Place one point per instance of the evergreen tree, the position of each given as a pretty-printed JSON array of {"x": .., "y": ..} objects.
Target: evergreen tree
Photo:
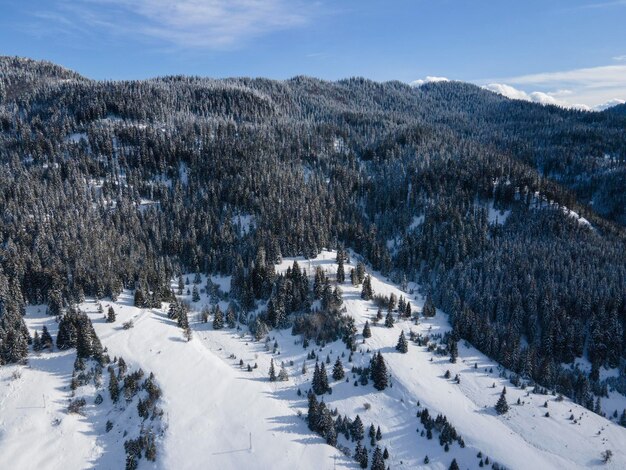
[
  {"x": 338, "y": 372},
  {"x": 272, "y": 372},
  {"x": 354, "y": 278},
  {"x": 195, "y": 294},
  {"x": 367, "y": 333},
  {"x": 502, "y": 406},
  {"x": 36, "y": 342},
  {"x": 218, "y": 318},
  {"x": 360, "y": 272},
  {"x": 114, "y": 386},
  {"x": 367, "y": 293},
  {"x": 341, "y": 275},
  {"x": 453, "y": 465},
  {"x": 357, "y": 431},
  {"x": 283, "y": 376},
  {"x": 454, "y": 350},
  {"x": 379, "y": 372},
  {"x": 389, "y": 320},
  {"x": 429, "y": 307},
  {"x": 46, "y": 339},
  {"x": 111, "y": 315},
  {"x": 403, "y": 345},
  {"x": 378, "y": 462},
  {"x": 231, "y": 317},
  {"x": 360, "y": 455}
]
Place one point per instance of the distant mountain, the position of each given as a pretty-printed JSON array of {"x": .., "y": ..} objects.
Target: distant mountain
[{"x": 617, "y": 109}]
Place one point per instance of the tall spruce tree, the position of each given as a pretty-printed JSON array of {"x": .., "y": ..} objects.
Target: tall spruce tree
[
  {"x": 502, "y": 407},
  {"x": 403, "y": 345}
]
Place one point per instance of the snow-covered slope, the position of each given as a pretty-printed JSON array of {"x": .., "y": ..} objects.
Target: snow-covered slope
[{"x": 219, "y": 415}]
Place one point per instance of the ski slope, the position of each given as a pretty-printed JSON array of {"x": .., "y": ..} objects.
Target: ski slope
[{"x": 219, "y": 415}]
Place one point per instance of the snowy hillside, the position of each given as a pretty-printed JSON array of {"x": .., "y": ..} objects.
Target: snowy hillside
[{"x": 220, "y": 414}]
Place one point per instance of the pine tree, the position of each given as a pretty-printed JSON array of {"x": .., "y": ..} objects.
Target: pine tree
[
  {"x": 140, "y": 298},
  {"x": 341, "y": 274},
  {"x": 502, "y": 406},
  {"x": 360, "y": 455},
  {"x": 360, "y": 272},
  {"x": 218, "y": 318},
  {"x": 323, "y": 379},
  {"x": 407, "y": 310},
  {"x": 46, "y": 339},
  {"x": 283, "y": 376},
  {"x": 272, "y": 372},
  {"x": 188, "y": 333},
  {"x": 114, "y": 386},
  {"x": 378, "y": 462},
  {"x": 367, "y": 333},
  {"x": 389, "y": 320},
  {"x": 338, "y": 372},
  {"x": 36, "y": 342},
  {"x": 402, "y": 345},
  {"x": 195, "y": 294},
  {"x": 379, "y": 435},
  {"x": 111, "y": 315},
  {"x": 622, "y": 419},
  {"x": 357, "y": 431},
  {"x": 231, "y": 317},
  {"x": 372, "y": 434},
  {"x": 353, "y": 278},
  {"x": 454, "y": 350},
  {"x": 429, "y": 307},
  {"x": 453, "y": 465},
  {"x": 385, "y": 454},
  {"x": 181, "y": 285},
  {"x": 182, "y": 319},
  {"x": 366, "y": 292},
  {"x": 379, "y": 372}
]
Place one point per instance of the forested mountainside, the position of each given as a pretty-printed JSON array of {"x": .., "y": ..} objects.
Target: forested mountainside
[{"x": 510, "y": 213}]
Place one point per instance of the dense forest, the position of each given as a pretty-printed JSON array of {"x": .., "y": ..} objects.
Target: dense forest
[{"x": 111, "y": 185}]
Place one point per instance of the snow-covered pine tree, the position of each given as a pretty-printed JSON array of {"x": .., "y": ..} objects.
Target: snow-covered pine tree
[
  {"x": 272, "y": 372},
  {"x": 218, "y": 318},
  {"x": 367, "y": 332},
  {"x": 389, "y": 320},
  {"x": 111, "y": 315},
  {"x": 338, "y": 372},
  {"x": 502, "y": 407},
  {"x": 378, "y": 462},
  {"x": 403, "y": 345}
]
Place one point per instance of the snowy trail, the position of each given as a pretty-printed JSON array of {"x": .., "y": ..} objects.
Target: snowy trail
[{"x": 212, "y": 407}]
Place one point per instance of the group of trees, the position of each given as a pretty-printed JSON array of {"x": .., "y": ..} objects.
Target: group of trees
[{"x": 113, "y": 185}]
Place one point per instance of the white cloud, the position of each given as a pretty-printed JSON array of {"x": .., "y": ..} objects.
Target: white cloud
[
  {"x": 208, "y": 24},
  {"x": 535, "y": 96},
  {"x": 428, "y": 79},
  {"x": 592, "y": 86},
  {"x": 608, "y": 104},
  {"x": 620, "y": 58}
]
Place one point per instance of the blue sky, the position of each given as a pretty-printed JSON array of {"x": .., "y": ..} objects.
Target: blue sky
[{"x": 568, "y": 52}]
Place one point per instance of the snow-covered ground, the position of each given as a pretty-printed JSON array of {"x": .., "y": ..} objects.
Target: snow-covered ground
[{"x": 219, "y": 415}]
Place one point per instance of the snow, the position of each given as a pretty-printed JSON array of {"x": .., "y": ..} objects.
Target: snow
[
  {"x": 416, "y": 222},
  {"x": 496, "y": 216},
  {"x": 214, "y": 408},
  {"x": 244, "y": 223},
  {"x": 76, "y": 137}
]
